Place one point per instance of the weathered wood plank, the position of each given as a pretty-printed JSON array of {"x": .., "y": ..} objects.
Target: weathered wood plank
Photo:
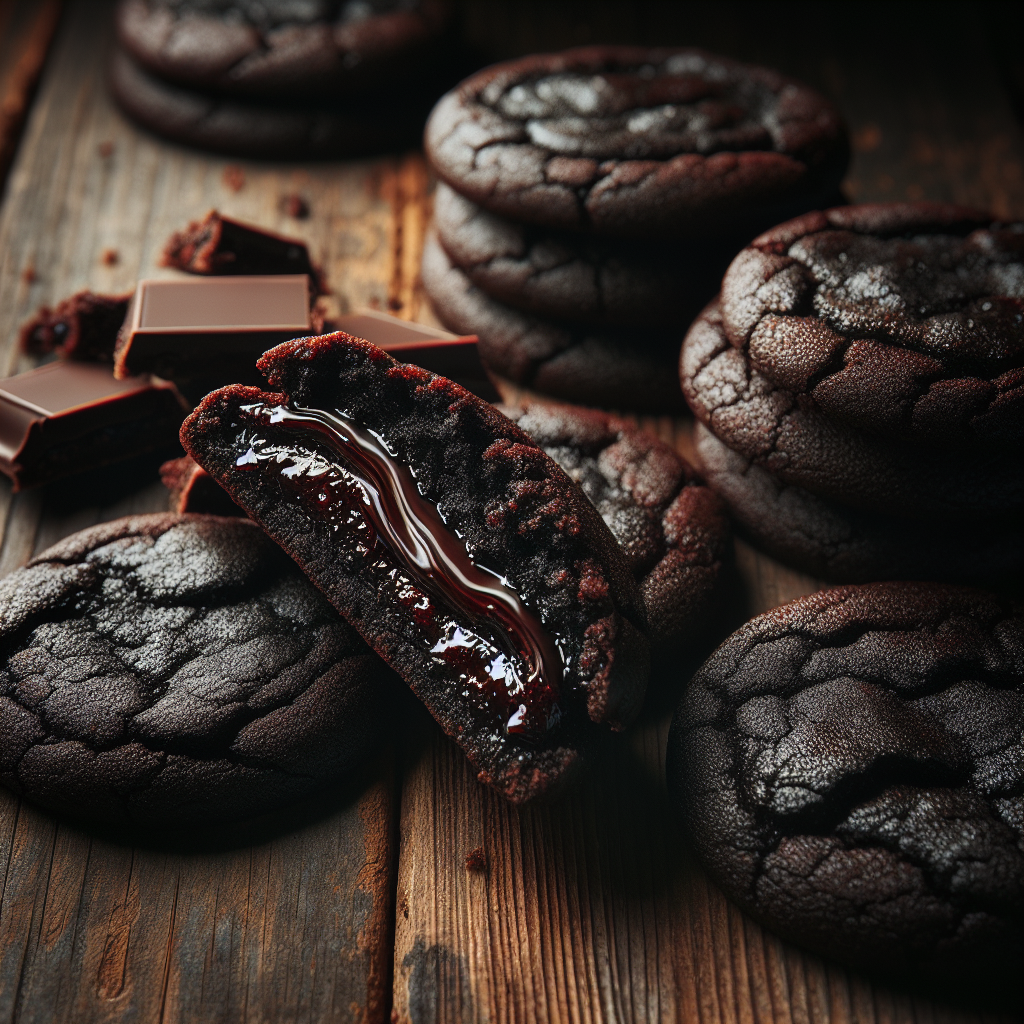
[{"x": 289, "y": 919}]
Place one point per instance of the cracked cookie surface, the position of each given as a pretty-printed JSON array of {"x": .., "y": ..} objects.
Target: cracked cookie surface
[
  {"x": 632, "y": 142},
  {"x": 165, "y": 669},
  {"x": 847, "y": 545},
  {"x": 904, "y": 320},
  {"x": 276, "y": 48},
  {"x": 850, "y": 770},
  {"x": 592, "y": 366},
  {"x": 577, "y": 278},
  {"x": 787, "y": 435},
  {"x": 670, "y": 524}
]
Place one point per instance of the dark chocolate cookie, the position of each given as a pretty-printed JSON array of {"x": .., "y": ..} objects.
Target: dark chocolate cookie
[
  {"x": 671, "y": 526},
  {"x": 236, "y": 127},
  {"x": 774, "y": 428},
  {"x": 851, "y": 770},
  {"x": 275, "y": 48},
  {"x": 638, "y": 143},
  {"x": 83, "y": 326},
  {"x": 619, "y": 370},
  {"x": 847, "y": 545},
  {"x": 904, "y": 320},
  {"x": 457, "y": 548},
  {"x": 169, "y": 669},
  {"x": 576, "y": 278}
]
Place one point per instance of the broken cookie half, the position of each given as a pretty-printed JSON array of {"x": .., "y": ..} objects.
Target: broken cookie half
[{"x": 459, "y": 550}]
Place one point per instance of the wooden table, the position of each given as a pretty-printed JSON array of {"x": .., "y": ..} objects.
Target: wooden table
[{"x": 359, "y": 905}]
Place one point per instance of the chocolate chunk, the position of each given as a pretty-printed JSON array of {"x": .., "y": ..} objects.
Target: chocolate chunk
[
  {"x": 631, "y": 142},
  {"x": 167, "y": 670},
  {"x": 670, "y": 525},
  {"x": 219, "y": 245},
  {"x": 904, "y": 320},
  {"x": 851, "y": 770},
  {"x": 593, "y": 366},
  {"x": 847, "y": 545},
  {"x": 192, "y": 489},
  {"x": 83, "y": 326},
  {"x": 455, "y": 546},
  {"x": 67, "y": 417},
  {"x": 772, "y": 427},
  {"x": 185, "y": 328},
  {"x": 270, "y": 50},
  {"x": 448, "y": 355}
]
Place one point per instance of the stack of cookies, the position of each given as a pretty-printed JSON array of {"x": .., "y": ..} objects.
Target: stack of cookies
[
  {"x": 278, "y": 79},
  {"x": 860, "y": 386},
  {"x": 591, "y": 199}
]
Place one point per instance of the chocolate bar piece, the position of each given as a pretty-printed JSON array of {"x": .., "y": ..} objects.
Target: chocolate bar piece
[
  {"x": 219, "y": 245},
  {"x": 436, "y": 350},
  {"x": 203, "y": 327},
  {"x": 67, "y": 417},
  {"x": 83, "y": 326},
  {"x": 194, "y": 490}
]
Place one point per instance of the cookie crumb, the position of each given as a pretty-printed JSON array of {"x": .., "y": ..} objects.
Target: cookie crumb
[
  {"x": 234, "y": 177},
  {"x": 476, "y": 860},
  {"x": 29, "y": 275},
  {"x": 295, "y": 206},
  {"x": 109, "y": 257},
  {"x": 105, "y": 149}
]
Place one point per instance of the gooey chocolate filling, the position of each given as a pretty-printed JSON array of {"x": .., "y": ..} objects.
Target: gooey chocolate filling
[{"x": 470, "y": 618}]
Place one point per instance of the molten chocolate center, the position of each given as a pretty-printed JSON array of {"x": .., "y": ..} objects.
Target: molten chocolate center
[{"x": 415, "y": 536}]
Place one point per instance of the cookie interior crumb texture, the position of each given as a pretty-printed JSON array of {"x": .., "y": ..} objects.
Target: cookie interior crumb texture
[{"x": 502, "y": 501}]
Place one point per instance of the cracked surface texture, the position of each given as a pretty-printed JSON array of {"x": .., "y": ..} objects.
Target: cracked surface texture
[
  {"x": 904, "y": 320},
  {"x": 671, "y": 526},
  {"x": 511, "y": 506},
  {"x": 591, "y": 366},
  {"x": 281, "y": 48},
  {"x": 168, "y": 669},
  {"x": 632, "y": 142},
  {"x": 851, "y": 770},
  {"x": 237, "y": 127},
  {"x": 847, "y": 545},
  {"x": 575, "y": 278},
  {"x": 778, "y": 429}
]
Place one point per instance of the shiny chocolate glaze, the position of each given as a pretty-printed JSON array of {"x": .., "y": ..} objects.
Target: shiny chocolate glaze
[{"x": 472, "y": 619}]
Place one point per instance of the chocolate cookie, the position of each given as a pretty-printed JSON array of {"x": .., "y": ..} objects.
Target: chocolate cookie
[
  {"x": 774, "y": 428},
  {"x": 83, "y": 326},
  {"x": 847, "y": 545},
  {"x": 903, "y": 320},
  {"x": 850, "y": 770},
  {"x": 456, "y": 547},
  {"x": 576, "y": 278},
  {"x": 275, "y": 48},
  {"x": 306, "y": 131},
  {"x": 671, "y": 526},
  {"x": 637, "y": 143},
  {"x": 169, "y": 669},
  {"x": 619, "y": 370}
]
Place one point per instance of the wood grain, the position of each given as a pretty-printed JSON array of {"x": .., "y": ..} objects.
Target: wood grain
[{"x": 415, "y": 894}]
